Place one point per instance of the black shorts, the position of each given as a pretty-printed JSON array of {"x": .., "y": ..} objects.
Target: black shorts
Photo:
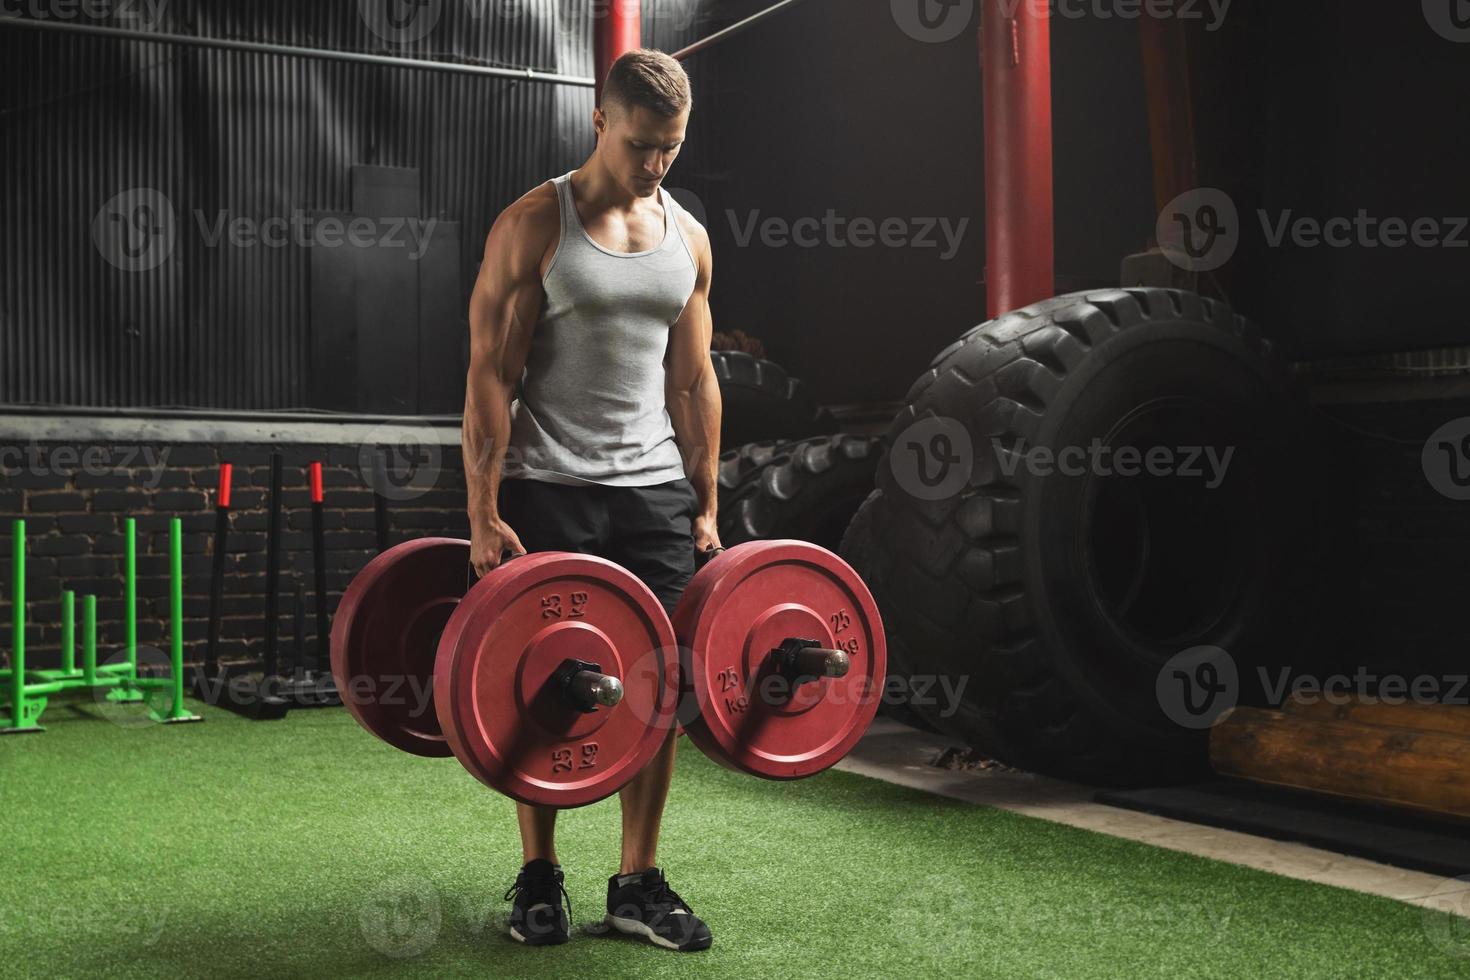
[{"x": 647, "y": 530}]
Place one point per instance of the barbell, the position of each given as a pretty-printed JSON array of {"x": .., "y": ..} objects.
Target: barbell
[{"x": 555, "y": 678}]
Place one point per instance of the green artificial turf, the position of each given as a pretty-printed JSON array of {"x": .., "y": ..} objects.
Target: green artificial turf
[{"x": 306, "y": 848}]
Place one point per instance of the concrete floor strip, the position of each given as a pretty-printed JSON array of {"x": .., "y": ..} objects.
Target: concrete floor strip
[{"x": 896, "y": 753}]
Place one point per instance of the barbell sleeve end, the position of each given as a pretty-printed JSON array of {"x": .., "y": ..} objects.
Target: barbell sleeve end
[
  {"x": 822, "y": 662},
  {"x": 587, "y": 687},
  {"x": 599, "y": 688},
  {"x": 804, "y": 660}
]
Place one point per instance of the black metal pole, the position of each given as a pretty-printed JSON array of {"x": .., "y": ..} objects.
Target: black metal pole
[
  {"x": 298, "y": 623},
  {"x": 380, "y": 501},
  {"x": 319, "y": 567},
  {"x": 273, "y": 567},
  {"x": 260, "y": 47},
  {"x": 737, "y": 28},
  {"x": 217, "y": 569}
]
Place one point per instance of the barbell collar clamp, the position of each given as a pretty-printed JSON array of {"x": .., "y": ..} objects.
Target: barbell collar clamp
[{"x": 586, "y": 687}]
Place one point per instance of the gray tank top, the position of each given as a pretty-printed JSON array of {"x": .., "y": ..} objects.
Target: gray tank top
[{"x": 591, "y": 408}]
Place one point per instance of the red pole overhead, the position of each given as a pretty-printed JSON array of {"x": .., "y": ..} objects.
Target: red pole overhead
[
  {"x": 617, "y": 28},
  {"x": 1015, "y": 57}
]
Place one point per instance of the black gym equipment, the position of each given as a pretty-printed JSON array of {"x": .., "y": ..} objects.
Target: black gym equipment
[
  {"x": 263, "y": 692},
  {"x": 1060, "y": 597},
  {"x": 738, "y": 463},
  {"x": 761, "y": 401},
  {"x": 809, "y": 490}
]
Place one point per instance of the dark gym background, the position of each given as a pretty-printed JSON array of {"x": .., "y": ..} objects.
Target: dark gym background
[{"x": 258, "y": 136}]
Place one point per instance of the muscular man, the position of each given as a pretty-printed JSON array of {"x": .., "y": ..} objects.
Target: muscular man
[{"x": 594, "y": 296}]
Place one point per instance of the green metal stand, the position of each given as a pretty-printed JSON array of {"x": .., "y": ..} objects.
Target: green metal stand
[
  {"x": 25, "y": 691},
  {"x": 127, "y": 690},
  {"x": 25, "y": 713},
  {"x": 175, "y": 681}
]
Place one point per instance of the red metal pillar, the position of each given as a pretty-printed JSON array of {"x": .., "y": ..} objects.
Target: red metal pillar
[
  {"x": 1015, "y": 56},
  {"x": 617, "y": 28}
]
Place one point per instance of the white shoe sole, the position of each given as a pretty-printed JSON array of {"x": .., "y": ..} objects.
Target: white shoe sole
[
  {"x": 516, "y": 935},
  {"x": 635, "y": 928}
]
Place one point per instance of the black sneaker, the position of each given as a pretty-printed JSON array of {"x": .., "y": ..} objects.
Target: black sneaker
[
  {"x": 536, "y": 917},
  {"x": 643, "y": 904}
]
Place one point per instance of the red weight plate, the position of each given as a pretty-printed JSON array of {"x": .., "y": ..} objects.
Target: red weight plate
[
  {"x": 385, "y": 635},
  {"x": 739, "y": 608},
  {"x": 509, "y": 724}
]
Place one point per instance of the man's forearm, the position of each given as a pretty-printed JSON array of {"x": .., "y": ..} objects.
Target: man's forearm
[
  {"x": 484, "y": 437},
  {"x": 696, "y": 417}
]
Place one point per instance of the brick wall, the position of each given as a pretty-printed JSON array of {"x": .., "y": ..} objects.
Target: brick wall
[{"x": 75, "y": 511}]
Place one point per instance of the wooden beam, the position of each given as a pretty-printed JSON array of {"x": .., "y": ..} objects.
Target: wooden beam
[
  {"x": 1426, "y": 771},
  {"x": 1447, "y": 719}
]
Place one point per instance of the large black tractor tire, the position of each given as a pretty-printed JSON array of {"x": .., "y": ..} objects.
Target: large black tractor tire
[
  {"x": 854, "y": 548},
  {"x": 807, "y": 490},
  {"x": 761, "y": 401},
  {"x": 737, "y": 464},
  {"x": 1057, "y": 598}
]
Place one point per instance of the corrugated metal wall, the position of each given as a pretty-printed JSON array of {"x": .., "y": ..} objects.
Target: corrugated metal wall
[{"x": 234, "y": 134}]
